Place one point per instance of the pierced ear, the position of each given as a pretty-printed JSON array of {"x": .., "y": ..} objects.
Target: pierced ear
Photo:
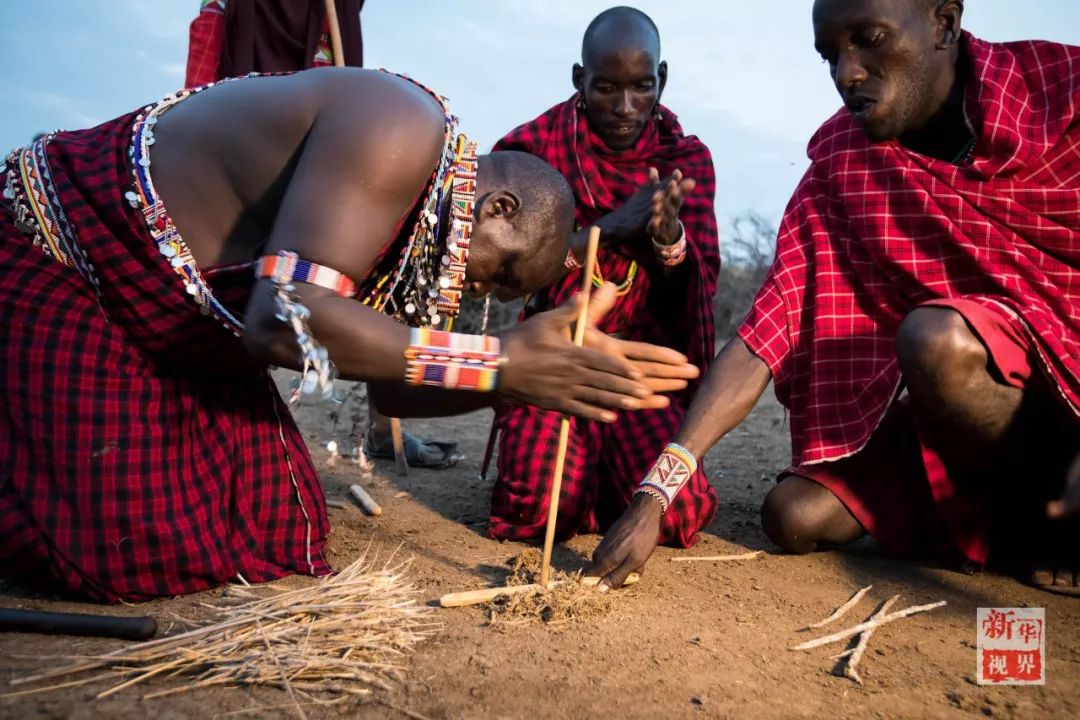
[
  {"x": 577, "y": 77},
  {"x": 503, "y": 204},
  {"x": 661, "y": 72},
  {"x": 949, "y": 13}
]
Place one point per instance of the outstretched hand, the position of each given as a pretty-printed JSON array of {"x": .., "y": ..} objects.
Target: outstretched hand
[
  {"x": 667, "y": 201},
  {"x": 1069, "y": 504},
  {"x": 545, "y": 369}
]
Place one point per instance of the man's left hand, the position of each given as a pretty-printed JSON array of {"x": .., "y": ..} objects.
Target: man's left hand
[
  {"x": 1069, "y": 504},
  {"x": 667, "y": 202}
]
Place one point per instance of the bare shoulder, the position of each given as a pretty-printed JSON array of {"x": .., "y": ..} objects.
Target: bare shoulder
[{"x": 390, "y": 127}]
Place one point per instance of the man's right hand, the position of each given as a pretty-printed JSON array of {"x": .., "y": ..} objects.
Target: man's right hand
[
  {"x": 628, "y": 544},
  {"x": 545, "y": 369}
]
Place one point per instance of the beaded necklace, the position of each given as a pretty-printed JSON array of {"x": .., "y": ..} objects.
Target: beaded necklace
[
  {"x": 423, "y": 283},
  {"x": 426, "y": 275}
]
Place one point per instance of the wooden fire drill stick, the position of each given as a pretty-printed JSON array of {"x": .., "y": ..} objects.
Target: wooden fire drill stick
[{"x": 564, "y": 427}]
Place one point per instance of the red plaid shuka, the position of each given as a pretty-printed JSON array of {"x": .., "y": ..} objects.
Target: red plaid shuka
[
  {"x": 141, "y": 453},
  {"x": 605, "y": 462},
  {"x": 874, "y": 230}
]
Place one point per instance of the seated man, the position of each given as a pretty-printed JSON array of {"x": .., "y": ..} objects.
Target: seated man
[
  {"x": 612, "y": 140},
  {"x": 921, "y": 321},
  {"x": 153, "y": 267}
]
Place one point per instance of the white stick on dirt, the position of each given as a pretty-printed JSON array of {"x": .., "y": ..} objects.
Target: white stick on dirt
[
  {"x": 840, "y": 611},
  {"x": 869, "y": 624},
  {"x": 367, "y": 503},
  {"x": 851, "y": 671},
  {"x": 719, "y": 558}
]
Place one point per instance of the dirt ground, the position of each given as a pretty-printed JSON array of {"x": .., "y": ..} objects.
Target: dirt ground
[{"x": 691, "y": 640}]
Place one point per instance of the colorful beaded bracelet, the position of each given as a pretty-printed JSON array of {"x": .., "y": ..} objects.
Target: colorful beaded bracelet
[
  {"x": 671, "y": 471},
  {"x": 452, "y": 361},
  {"x": 671, "y": 255},
  {"x": 288, "y": 267}
]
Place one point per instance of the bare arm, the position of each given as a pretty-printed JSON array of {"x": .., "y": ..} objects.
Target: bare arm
[{"x": 732, "y": 387}]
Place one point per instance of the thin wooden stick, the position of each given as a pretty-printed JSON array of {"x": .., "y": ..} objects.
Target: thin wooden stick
[
  {"x": 869, "y": 624},
  {"x": 840, "y": 611},
  {"x": 483, "y": 595},
  {"x": 564, "y": 426},
  {"x": 336, "y": 504},
  {"x": 719, "y": 558},
  {"x": 401, "y": 463},
  {"x": 335, "y": 33},
  {"x": 850, "y": 667}
]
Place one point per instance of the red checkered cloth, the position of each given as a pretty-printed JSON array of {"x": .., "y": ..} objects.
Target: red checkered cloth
[
  {"x": 141, "y": 453},
  {"x": 606, "y": 462},
  {"x": 206, "y": 38},
  {"x": 875, "y": 230}
]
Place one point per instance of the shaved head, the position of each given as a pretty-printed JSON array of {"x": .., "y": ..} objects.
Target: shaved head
[{"x": 619, "y": 27}]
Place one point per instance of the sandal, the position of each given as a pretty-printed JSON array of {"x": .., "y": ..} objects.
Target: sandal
[{"x": 418, "y": 453}]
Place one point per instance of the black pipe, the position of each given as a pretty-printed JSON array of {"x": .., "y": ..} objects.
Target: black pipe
[{"x": 57, "y": 623}]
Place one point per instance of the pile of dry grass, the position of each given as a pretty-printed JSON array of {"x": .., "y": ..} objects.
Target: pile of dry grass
[
  {"x": 566, "y": 600},
  {"x": 344, "y": 636}
]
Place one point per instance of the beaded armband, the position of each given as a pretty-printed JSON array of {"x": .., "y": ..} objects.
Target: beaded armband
[
  {"x": 317, "y": 373},
  {"x": 674, "y": 254},
  {"x": 288, "y": 267},
  {"x": 671, "y": 471},
  {"x": 452, "y": 361},
  {"x": 571, "y": 262}
]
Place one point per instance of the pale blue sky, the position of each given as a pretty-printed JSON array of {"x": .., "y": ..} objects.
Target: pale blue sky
[{"x": 743, "y": 75}]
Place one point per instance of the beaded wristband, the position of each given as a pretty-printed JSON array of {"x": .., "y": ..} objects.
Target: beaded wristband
[
  {"x": 671, "y": 471},
  {"x": 452, "y": 361},
  {"x": 671, "y": 255},
  {"x": 571, "y": 262},
  {"x": 318, "y": 372},
  {"x": 288, "y": 267}
]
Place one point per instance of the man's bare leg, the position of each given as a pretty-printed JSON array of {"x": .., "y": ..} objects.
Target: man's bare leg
[{"x": 970, "y": 413}]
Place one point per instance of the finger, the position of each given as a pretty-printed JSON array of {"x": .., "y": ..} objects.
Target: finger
[
  {"x": 593, "y": 359},
  {"x": 655, "y": 402},
  {"x": 617, "y": 577},
  {"x": 607, "y": 399},
  {"x": 663, "y": 371},
  {"x": 601, "y": 300},
  {"x": 604, "y": 560},
  {"x": 583, "y": 410},
  {"x": 677, "y": 175},
  {"x": 654, "y": 175},
  {"x": 664, "y": 385},
  {"x": 647, "y": 352}
]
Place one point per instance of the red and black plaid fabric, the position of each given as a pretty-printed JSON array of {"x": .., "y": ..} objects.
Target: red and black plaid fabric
[
  {"x": 875, "y": 230},
  {"x": 205, "y": 41},
  {"x": 141, "y": 453},
  {"x": 606, "y": 462}
]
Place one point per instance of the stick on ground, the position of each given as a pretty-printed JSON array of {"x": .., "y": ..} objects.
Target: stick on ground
[
  {"x": 367, "y": 503},
  {"x": 564, "y": 426},
  {"x": 719, "y": 558},
  {"x": 869, "y": 624},
  {"x": 851, "y": 671},
  {"x": 840, "y": 611}
]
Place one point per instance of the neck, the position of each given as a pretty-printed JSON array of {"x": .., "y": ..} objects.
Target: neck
[{"x": 946, "y": 133}]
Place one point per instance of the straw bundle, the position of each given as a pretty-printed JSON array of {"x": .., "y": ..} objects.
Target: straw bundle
[{"x": 343, "y": 636}]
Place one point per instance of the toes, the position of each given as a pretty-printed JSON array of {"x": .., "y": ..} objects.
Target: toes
[
  {"x": 1042, "y": 577},
  {"x": 1064, "y": 578}
]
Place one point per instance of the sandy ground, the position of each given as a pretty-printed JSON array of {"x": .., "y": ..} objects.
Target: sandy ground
[{"x": 692, "y": 640}]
